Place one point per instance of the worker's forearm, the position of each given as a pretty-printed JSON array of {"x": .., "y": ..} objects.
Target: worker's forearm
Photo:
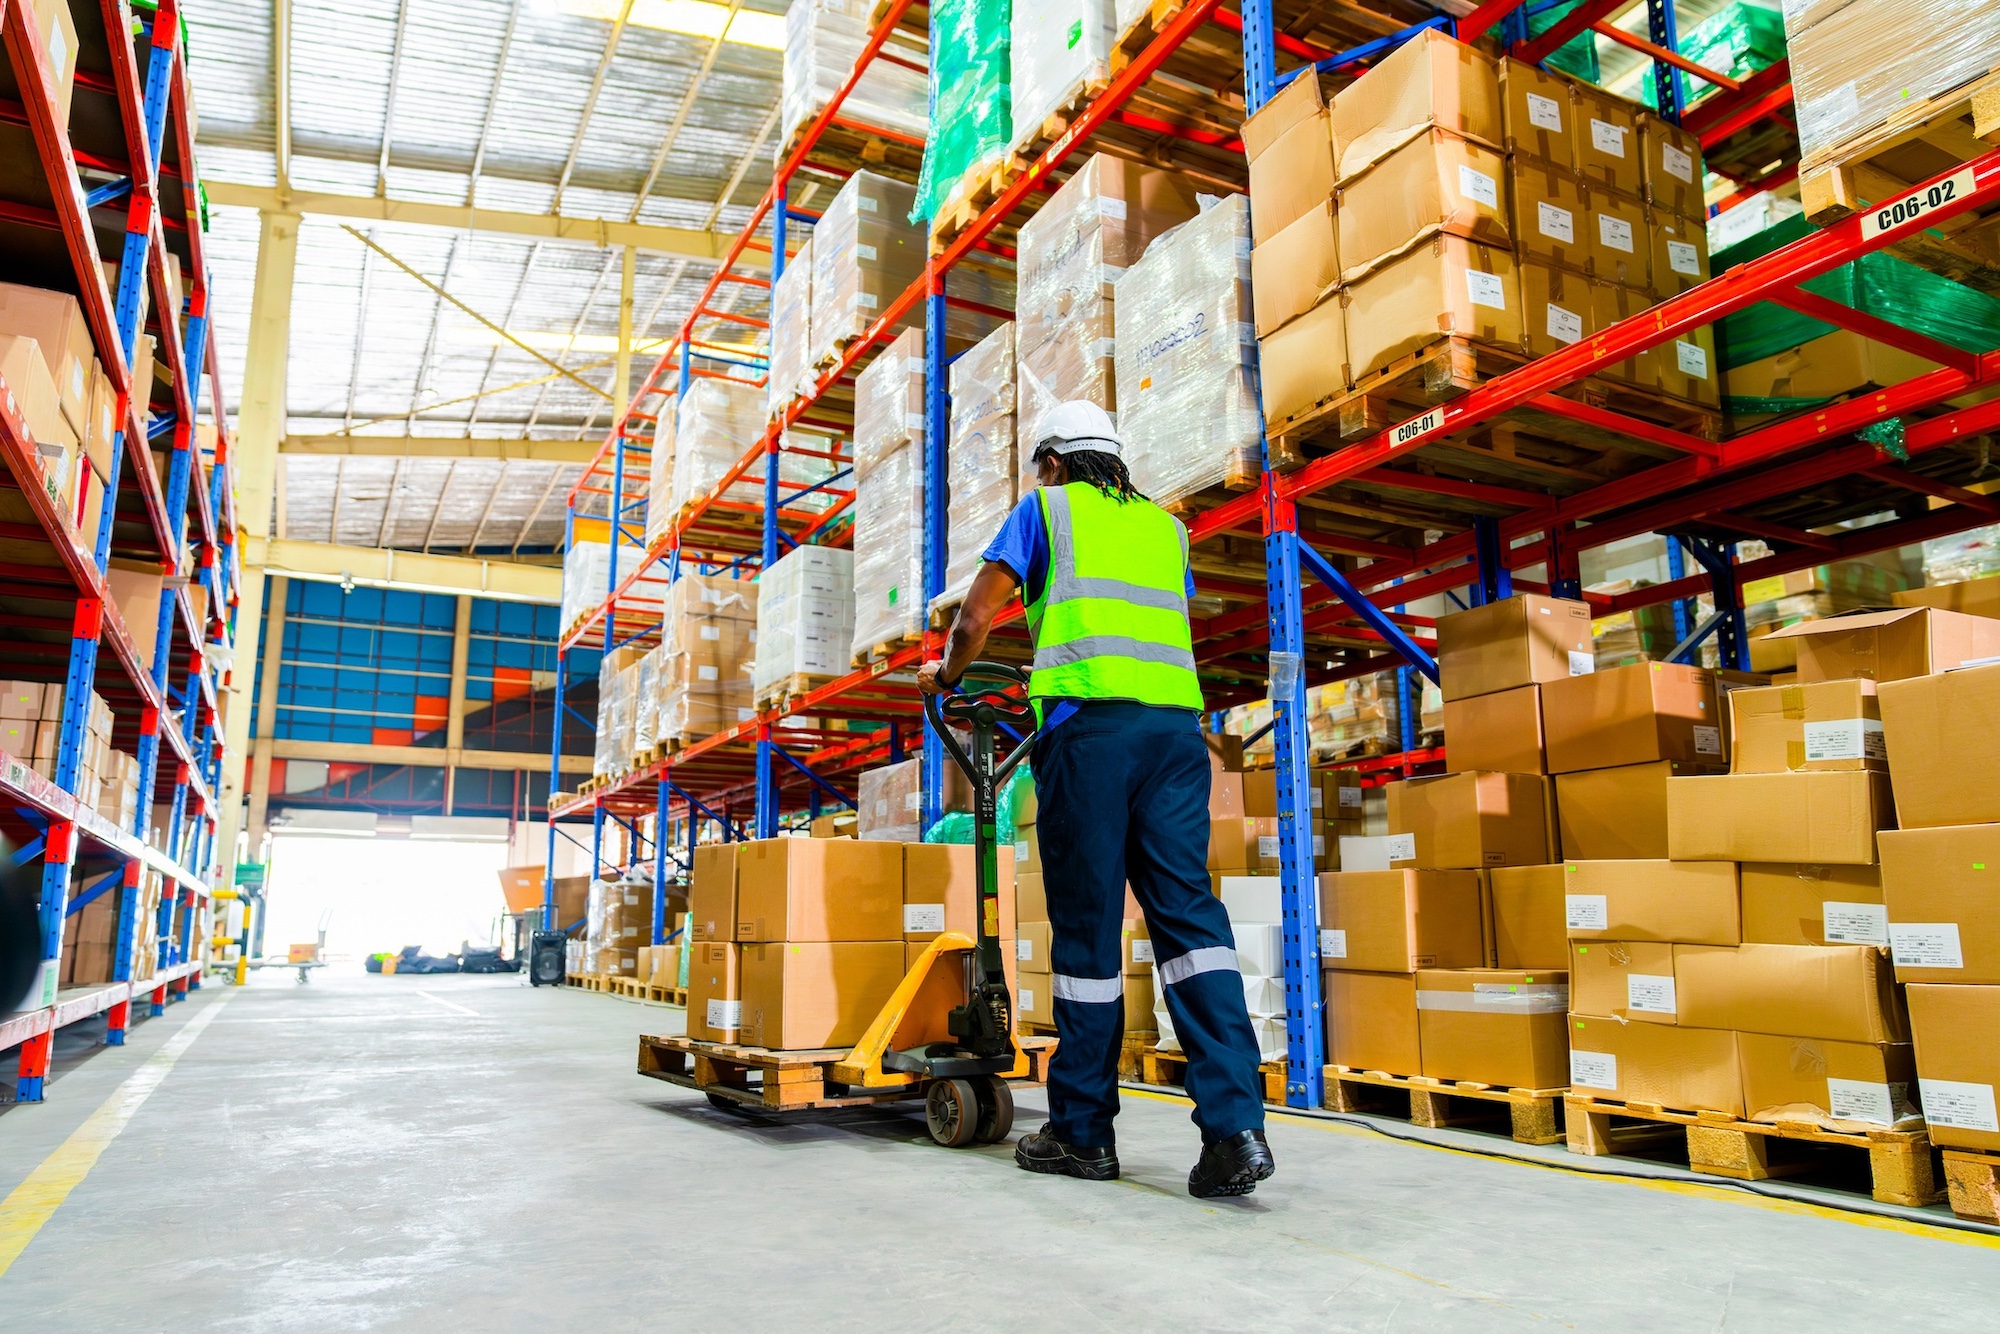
[{"x": 963, "y": 647}]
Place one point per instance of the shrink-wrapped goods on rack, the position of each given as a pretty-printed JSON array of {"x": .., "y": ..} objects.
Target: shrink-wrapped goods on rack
[
  {"x": 1861, "y": 66},
  {"x": 983, "y": 292},
  {"x": 889, "y": 402},
  {"x": 805, "y": 619},
  {"x": 1071, "y": 254},
  {"x": 889, "y": 803},
  {"x": 1963, "y": 556},
  {"x": 646, "y": 700},
  {"x": 660, "y": 511},
  {"x": 889, "y": 552},
  {"x": 1187, "y": 358},
  {"x": 979, "y": 458},
  {"x": 790, "y": 372},
  {"x": 707, "y": 649},
  {"x": 617, "y": 711},
  {"x": 1061, "y": 48},
  {"x": 1737, "y": 40},
  {"x": 587, "y": 579},
  {"x": 823, "y": 40},
  {"x": 866, "y": 253},
  {"x": 715, "y": 423},
  {"x": 973, "y": 121}
]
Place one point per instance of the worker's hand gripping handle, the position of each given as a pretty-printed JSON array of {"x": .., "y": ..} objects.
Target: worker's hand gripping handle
[{"x": 984, "y": 703}]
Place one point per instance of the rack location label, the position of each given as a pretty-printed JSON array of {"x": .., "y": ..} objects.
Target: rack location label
[
  {"x": 1921, "y": 202},
  {"x": 1415, "y": 427}
]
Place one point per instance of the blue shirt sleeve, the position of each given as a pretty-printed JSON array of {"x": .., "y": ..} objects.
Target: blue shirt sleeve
[{"x": 1022, "y": 545}]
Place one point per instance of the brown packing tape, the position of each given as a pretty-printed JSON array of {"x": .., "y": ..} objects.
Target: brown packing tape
[
  {"x": 1793, "y": 703},
  {"x": 1795, "y": 755}
]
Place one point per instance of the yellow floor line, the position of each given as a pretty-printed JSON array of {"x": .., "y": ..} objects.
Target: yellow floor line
[{"x": 35, "y": 1200}]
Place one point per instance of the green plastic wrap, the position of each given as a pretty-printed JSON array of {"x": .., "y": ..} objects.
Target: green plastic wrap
[
  {"x": 1577, "y": 56},
  {"x": 1738, "y": 41},
  {"x": 972, "y": 111},
  {"x": 956, "y": 826},
  {"x": 1876, "y": 284}
]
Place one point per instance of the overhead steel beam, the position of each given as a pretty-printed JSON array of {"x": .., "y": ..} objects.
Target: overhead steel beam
[
  {"x": 438, "y": 447},
  {"x": 684, "y": 241},
  {"x": 381, "y": 567},
  {"x": 433, "y": 757}
]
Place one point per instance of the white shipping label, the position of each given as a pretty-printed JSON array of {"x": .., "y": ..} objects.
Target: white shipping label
[
  {"x": 1692, "y": 358},
  {"x": 706, "y": 673},
  {"x": 1319, "y": 846},
  {"x": 1682, "y": 257},
  {"x": 1020, "y": 852},
  {"x": 1649, "y": 992},
  {"x": 1854, "y": 923},
  {"x": 1963, "y": 1106},
  {"x": 1024, "y": 950},
  {"x": 1110, "y": 206},
  {"x": 914, "y": 800},
  {"x": 1679, "y": 165},
  {"x": 1581, "y": 663},
  {"x": 1614, "y": 232},
  {"x": 1318, "y": 797},
  {"x": 1707, "y": 740},
  {"x": 1859, "y": 1100},
  {"x": 1267, "y": 847},
  {"x": 864, "y": 250},
  {"x": 1586, "y": 912},
  {"x": 1027, "y": 998},
  {"x": 711, "y": 632},
  {"x": 1846, "y": 739},
  {"x": 1485, "y": 289},
  {"x": 867, "y": 203},
  {"x": 725, "y": 1014},
  {"x": 1926, "y": 945},
  {"x": 1478, "y": 186},
  {"x": 923, "y": 917},
  {"x": 1402, "y": 847},
  {"x": 1332, "y": 944},
  {"x": 1593, "y": 1069},
  {"x": 1607, "y": 138},
  {"x": 1545, "y": 113},
  {"x": 1558, "y": 224},
  {"x": 1350, "y": 798},
  {"x": 1142, "y": 951}
]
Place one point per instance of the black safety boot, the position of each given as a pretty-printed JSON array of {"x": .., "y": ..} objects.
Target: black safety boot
[
  {"x": 1232, "y": 1166},
  {"x": 1043, "y": 1152}
]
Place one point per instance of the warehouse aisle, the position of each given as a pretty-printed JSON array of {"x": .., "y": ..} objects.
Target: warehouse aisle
[{"x": 456, "y": 1152}]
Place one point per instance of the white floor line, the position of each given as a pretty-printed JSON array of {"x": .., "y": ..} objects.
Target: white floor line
[{"x": 449, "y": 1005}]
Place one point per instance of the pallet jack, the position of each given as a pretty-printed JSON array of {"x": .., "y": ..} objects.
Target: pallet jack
[{"x": 946, "y": 1034}]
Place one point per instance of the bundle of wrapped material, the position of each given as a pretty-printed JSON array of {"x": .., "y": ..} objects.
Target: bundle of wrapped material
[
  {"x": 1858, "y": 63},
  {"x": 1187, "y": 358},
  {"x": 715, "y": 424},
  {"x": 791, "y": 331},
  {"x": 646, "y": 700},
  {"x": 889, "y": 402},
  {"x": 889, "y": 803},
  {"x": 1071, "y": 253},
  {"x": 1059, "y": 47},
  {"x": 617, "y": 712},
  {"x": 866, "y": 252},
  {"x": 823, "y": 40},
  {"x": 969, "y": 82},
  {"x": 979, "y": 458},
  {"x": 660, "y": 510},
  {"x": 707, "y": 648},
  {"x": 889, "y": 551},
  {"x": 587, "y": 579},
  {"x": 805, "y": 617}
]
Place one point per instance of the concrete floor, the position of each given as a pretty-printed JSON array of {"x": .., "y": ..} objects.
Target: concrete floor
[{"x": 467, "y": 1153}]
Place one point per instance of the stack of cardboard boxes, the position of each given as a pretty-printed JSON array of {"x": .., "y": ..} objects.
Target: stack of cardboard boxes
[
  {"x": 620, "y": 922},
  {"x": 107, "y": 780},
  {"x": 90, "y": 935},
  {"x": 707, "y": 650},
  {"x": 660, "y": 965}
]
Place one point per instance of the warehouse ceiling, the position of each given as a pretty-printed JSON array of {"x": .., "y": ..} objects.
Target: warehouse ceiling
[{"x": 659, "y": 112}]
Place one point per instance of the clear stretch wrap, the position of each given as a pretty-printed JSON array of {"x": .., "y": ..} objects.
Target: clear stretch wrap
[
  {"x": 587, "y": 579},
  {"x": 979, "y": 458},
  {"x": 660, "y": 478},
  {"x": 716, "y": 422},
  {"x": 1187, "y": 357},
  {"x": 889, "y": 550},
  {"x": 969, "y": 83},
  {"x": 805, "y": 616},
  {"x": 616, "y": 713},
  {"x": 1968, "y": 555},
  {"x": 986, "y": 281},
  {"x": 791, "y": 331},
  {"x": 889, "y": 402},
  {"x": 707, "y": 651},
  {"x": 806, "y": 458},
  {"x": 823, "y": 40},
  {"x": 1058, "y": 46},
  {"x": 1855, "y": 67},
  {"x": 889, "y": 803},
  {"x": 646, "y": 700},
  {"x": 866, "y": 252}
]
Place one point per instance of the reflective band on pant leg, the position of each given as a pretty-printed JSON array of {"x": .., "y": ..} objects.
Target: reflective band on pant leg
[
  {"x": 1213, "y": 959},
  {"x": 1090, "y": 990}
]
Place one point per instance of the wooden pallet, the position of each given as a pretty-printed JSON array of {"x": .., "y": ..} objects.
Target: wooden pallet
[
  {"x": 1168, "y": 1069},
  {"x": 1140, "y": 34},
  {"x": 1972, "y": 1184},
  {"x": 1918, "y": 143},
  {"x": 789, "y": 1081},
  {"x": 781, "y": 694},
  {"x": 878, "y": 652},
  {"x": 588, "y": 981},
  {"x": 1900, "y": 1162},
  {"x": 1532, "y": 1115},
  {"x": 1132, "y": 1056},
  {"x": 979, "y": 188}
]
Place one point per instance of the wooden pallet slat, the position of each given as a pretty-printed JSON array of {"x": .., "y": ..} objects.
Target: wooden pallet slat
[
  {"x": 1533, "y": 1115},
  {"x": 1168, "y": 1069},
  {"x": 784, "y": 1081},
  {"x": 1972, "y": 1184}
]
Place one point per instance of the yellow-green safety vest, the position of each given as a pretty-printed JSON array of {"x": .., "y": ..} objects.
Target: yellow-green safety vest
[{"x": 1112, "y": 620}]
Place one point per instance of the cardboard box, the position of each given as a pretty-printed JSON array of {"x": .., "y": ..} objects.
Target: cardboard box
[
  {"x": 941, "y": 891},
  {"x": 1496, "y": 733},
  {"x": 1788, "y": 1079},
  {"x": 712, "y": 894},
  {"x": 1430, "y": 81},
  {"x": 1305, "y": 361},
  {"x": 1890, "y": 645},
  {"x": 1615, "y": 239},
  {"x": 1290, "y": 146},
  {"x": 1340, "y": 800},
  {"x": 136, "y": 587},
  {"x": 1027, "y": 851},
  {"x": 1974, "y": 597},
  {"x": 27, "y": 374},
  {"x": 1225, "y": 756},
  {"x": 1636, "y": 714},
  {"x": 57, "y": 30},
  {"x": 1793, "y": 903},
  {"x": 1627, "y": 979},
  {"x": 1031, "y": 946},
  {"x": 522, "y": 887},
  {"x": 1535, "y": 114},
  {"x": 1687, "y": 1069},
  {"x": 1679, "y": 253},
  {"x": 1031, "y": 899},
  {"x": 1671, "y": 169},
  {"x": 1940, "y": 732},
  {"x": 1371, "y": 1021},
  {"x": 1958, "y": 1063},
  {"x": 1518, "y": 641},
  {"x": 715, "y": 992},
  {"x": 55, "y": 320},
  {"x": 805, "y": 994},
  {"x": 1297, "y": 269},
  {"x": 1445, "y": 285},
  {"x": 1844, "y": 993},
  {"x": 1556, "y": 308},
  {"x": 1941, "y": 891},
  {"x": 1495, "y": 1026},
  {"x": 1825, "y": 727},
  {"x": 1400, "y": 921},
  {"x": 1605, "y": 139},
  {"x": 1611, "y": 302},
  {"x": 1034, "y": 999},
  {"x": 1527, "y": 908},
  {"x": 1692, "y": 902},
  {"x": 1838, "y": 364},
  {"x": 1606, "y": 814},
  {"x": 1687, "y": 368},
  {"x": 1805, "y": 817},
  {"x": 818, "y": 889},
  {"x": 1473, "y": 820},
  {"x": 1433, "y": 183},
  {"x": 1138, "y": 1001},
  {"x": 666, "y": 971}
]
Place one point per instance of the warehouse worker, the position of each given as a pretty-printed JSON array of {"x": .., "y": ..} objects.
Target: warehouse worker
[{"x": 1122, "y": 778}]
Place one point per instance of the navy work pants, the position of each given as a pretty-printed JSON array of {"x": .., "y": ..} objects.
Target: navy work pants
[{"x": 1123, "y": 795}]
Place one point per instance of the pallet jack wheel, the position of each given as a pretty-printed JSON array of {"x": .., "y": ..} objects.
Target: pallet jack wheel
[
  {"x": 996, "y": 1109},
  {"x": 952, "y": 1112}
]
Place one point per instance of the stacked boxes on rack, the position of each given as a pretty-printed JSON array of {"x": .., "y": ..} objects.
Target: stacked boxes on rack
[
  {"x": 889, "y": 497},
  {"x": 1061, "y": 52},
  {"x": 823, "y": 39},
  {"x": 979, "y": 457},
  {"x": 865, "y": 253},
  {"x": 107, "y": 780},
  {"x": 49, "y": 361},
  {"x": 618, "y": 925},
  {"x": 805, "y": 620},
  {"x": 90, "y": 939},
  {"x": 715, "y": 422},
  {"x": 790, "y": 373},
  {"x": 705, "y": 658}
]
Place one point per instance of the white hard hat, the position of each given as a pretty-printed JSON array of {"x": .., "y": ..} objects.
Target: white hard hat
[{"x": 1069, "y": 428}]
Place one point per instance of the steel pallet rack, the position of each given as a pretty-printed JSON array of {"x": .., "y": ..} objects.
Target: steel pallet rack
[
  {"x": 1777, "y": 482},
  {"x": 73, "y": 191}
]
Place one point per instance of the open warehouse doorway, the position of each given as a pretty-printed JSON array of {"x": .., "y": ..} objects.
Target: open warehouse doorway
[{"x": 378, "y": 894}]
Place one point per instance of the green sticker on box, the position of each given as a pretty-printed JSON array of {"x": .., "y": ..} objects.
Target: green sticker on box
[
  {"x": 892, "y": 597},
  {"x": 1075, "y": 33}
]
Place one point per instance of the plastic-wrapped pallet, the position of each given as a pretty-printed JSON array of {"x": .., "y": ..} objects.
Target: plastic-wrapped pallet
[
  {"x": 866, "y": 253},
  {"x": 1968, "y": 555},
  {"x": 805, "y": 617},
  {"x": 660, "y": 511},
  {"x": 715, "y": 424},
  {"x": 889, "y": 551},
  {"x": 1187, "y": 358},
  {"x": 1857, "y": 65},
  {"x": 979, "y": 458},
  {"x": 890, "y": 803},
  {"x": 708, "y": 647},
  {"x": 791, "y": 331},
  {"x": 616, "y": 714},
  {"x": 646, "y": 705},
  {"x": 889, "y": 402},
  {"x": 587, "y": 578},
  {"x": 969, "y": 86},
  {"x": 1059, "y": 46},
  {"x": 823, "y": 39}
]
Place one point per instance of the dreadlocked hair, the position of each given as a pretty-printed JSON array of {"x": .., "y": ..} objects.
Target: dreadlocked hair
[{"x": 1106, "y": 472}]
